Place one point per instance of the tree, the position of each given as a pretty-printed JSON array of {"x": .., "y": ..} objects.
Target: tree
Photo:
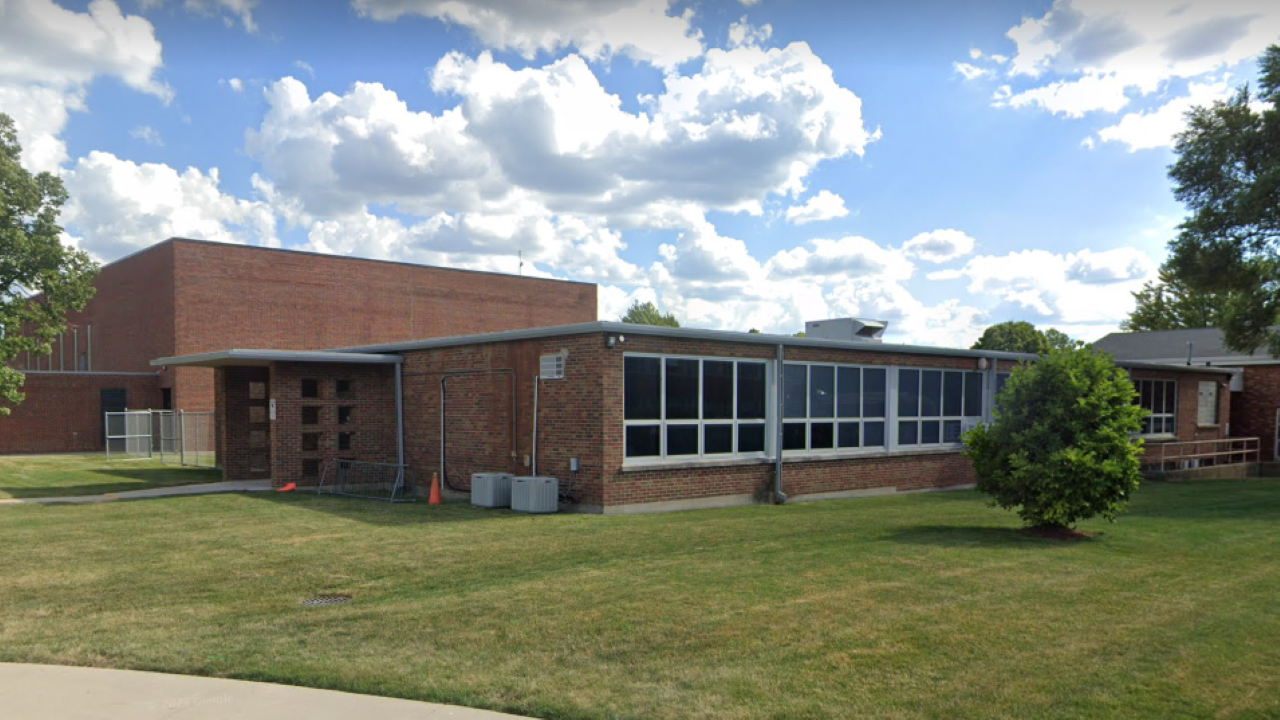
[
  {"x": 648, "y": 314},
  {"x": 1227, "y": 173},
  {"x": 1013, "y": 336},
  {"x": 1058, "y": 340},
  {"x": 1060, "y": 448},
  {"x": 1170, "y": 305},
  {"x": 40, "y": 278}
]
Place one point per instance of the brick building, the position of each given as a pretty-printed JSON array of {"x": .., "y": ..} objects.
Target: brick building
[
  {"x": 639, "y": 418},
  {"x": 187, "y": 296}
]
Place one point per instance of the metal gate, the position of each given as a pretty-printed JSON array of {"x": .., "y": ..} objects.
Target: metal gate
[
  {"x": 128, "y": 434},
  {"x": 183, "y": 438}
]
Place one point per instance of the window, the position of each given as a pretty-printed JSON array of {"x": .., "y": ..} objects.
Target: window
[
  {"x": 310, "y": 442},
  {"x": 344, "y": 388},
  {"x": 310, "y": 416},
  {"x": 344, "y": 440},
  {"x": 345, "y": 414},
  {"x": 833, "y": 407},
  {"x": 1207, "y": 412},
  {"x": 682, "y": 407},
  {"x": 936, "y": 406},
  {"x": 310, "y": 388},
  {"x": 310, "y": 468},
  {"x": 1159, "y": 398}
]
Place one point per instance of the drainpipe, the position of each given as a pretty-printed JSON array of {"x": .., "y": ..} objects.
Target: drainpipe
[
  {"x": 399, "y": 418},
  {"x": 534, "y": 470},
  {"x": 778, "y": 496}
]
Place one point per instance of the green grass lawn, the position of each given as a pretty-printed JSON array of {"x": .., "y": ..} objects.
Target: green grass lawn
[
  {"x": 67, "y": 475},
  {"x": 910, "y": 606}
]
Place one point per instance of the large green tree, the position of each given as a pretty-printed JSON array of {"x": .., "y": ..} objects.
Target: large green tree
[
  {"x": 1060, "y": 449},
  {"x": 1013, "y": 336},
  {"x": 1227, "y": 173},
  {"x": 648, "y": 314},
  {"x": 1168, "y": 304},
  {"x": 40, "y": 278}
]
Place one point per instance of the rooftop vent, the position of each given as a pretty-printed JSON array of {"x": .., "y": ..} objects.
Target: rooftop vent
[{"x": 860, "y": 329}]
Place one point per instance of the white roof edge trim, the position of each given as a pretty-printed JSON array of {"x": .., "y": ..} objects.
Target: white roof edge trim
[{"x": 231, "y": 356}]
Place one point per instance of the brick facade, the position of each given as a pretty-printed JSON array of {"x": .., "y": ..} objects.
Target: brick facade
[
  {"x": 1253, "y": 411},
  {"x": 63, "y": 412},
  {"x": 182, "y": 296}
]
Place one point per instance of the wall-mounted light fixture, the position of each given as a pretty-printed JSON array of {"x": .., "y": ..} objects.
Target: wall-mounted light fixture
[
  {"x": 611, "y": 341},
  {"x": 982, "y": 363}
]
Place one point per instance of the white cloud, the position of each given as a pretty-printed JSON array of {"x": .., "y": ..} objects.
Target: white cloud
[
  {"x": 1085, "y": 56},
  {"x": 305, "y": 67},
  {"x": 970, "y": 71},
  {"x": 950, "y": 323},
  {"x": 49, "y": 55},
  {"x": 1157, "y": 128},
  {"x": 826, "y": 205},
  {"x": 939, "y": 246},
  {"x": 229, "y": 11},
  {"x": 743, "y": 33},
  {"x": 118, "y": 206},
  {"x": 236, "y": 84},
  {"x": 641, "y": 29},
  {"x": 148, "y": 135},
  {"x": 836, "y": 260}
]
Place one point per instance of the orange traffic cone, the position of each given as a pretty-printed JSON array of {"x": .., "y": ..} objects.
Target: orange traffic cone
[
  {"x": 288, "y": 487},
  {"x": 434, "y": 498}
]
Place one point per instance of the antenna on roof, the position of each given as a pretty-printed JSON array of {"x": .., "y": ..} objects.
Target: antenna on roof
[{"x": 1190, "y": 348}]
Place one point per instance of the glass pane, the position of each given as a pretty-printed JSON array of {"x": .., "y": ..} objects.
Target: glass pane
[
  {"x": 929, "y": 432},
  {"x": 822, "y": 391},
  {"x": 1168, "y": 425},
  {"x": 751, "y": 390},
  {"x": 873, "y": 434},
  {"x": 1144, "y": 390},
  {"x": 682, "y": 440},
  {"x": 848, "y": 435},
  {"x": 973, "y": 394},
  {"x": 642, "y": 441},
  {"x": 682, "y": 390},
  {"x": 1170, "y": 396},
  {"x": 909, "y": 433},
  {"x": 909, "y": 393},
  {"x": 795, "y": 391},
  {"x": 717, "y": 390},
  {"x": 751, "y": 438},
  {"x": 873, "y": 391},
  {"x": 717, "y": 439},
  {"x": 822, "y": 436},
  {"x": 1001, "y": 379},
  {"x": 793, "y": 436},
  {"x": 642, "y": 385},
  {"x": 951, "y": 431},
  {"x": 953, "y": 394},
  {"x": 848, "y": 392},
  {"x": 930, "y": 393}
]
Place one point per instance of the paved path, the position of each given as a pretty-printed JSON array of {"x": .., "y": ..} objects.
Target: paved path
[
  {"x": 201, "y": 489},
  {"x": 73, "y": 693}
]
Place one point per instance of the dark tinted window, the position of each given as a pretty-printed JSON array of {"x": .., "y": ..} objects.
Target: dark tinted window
[
  {"x": 682, "y": 440},
  {"x": 929, "y": 432},
  {"x": 909, "y": 433},
  {"x": 951, "y": 431},
  {"x": 751, "y": 390},
  {"x": 873, "y": 391},
  {"x": 930, "y": 393},
  {"x": 793, "y": 436},
  {"x": 682, "y": 391},
  {"x": 822, "y": 436},
  {"x": 642, "y": 385},
  {"x": 642, "y": 441},
  {"x": 750, "y": 438},
  {"x": 848, "y": 433},
  {"x": 849, "y": 392},
  {"x": 822, "y": 391},
  {"x": 953, "y": 394},
  {"x": 717, "y": 390},
  {"x": 873, "y": 434},
  {"x": 909, "y": 393},
  {"x": 795, "y": 391},
  {"x": 717, "y": 439},
  {"x": 973, "y": 394}
]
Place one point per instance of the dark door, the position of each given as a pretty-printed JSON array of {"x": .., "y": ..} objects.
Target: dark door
[{"x": 112, "y": 400}]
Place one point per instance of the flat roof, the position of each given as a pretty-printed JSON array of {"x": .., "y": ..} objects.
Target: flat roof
[
  {"x": 241, "y": 358},
  {"x": 624, "y": 329}
]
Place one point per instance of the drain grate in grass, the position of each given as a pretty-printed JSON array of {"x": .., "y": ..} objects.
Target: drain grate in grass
[{"x": 325, "y": 600}]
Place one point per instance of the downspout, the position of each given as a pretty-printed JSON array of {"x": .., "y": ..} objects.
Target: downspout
[
  {"x": 534, "y": 470},
  {"x": 444, "y": 478},
  {"x": 399, "y": 418},
  {"x": 778, "y": 496}
]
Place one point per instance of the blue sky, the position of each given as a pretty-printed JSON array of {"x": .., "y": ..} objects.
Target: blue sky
[{"x": 941, "y": 165}]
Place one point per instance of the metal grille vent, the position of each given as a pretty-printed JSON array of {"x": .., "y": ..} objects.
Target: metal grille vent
[
  {"x": 551, "y": 367},
  {"x": 325, "y": 600}
]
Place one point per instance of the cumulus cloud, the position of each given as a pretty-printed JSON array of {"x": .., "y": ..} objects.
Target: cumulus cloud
[
  {"x": 744, "y": 33},
  {"x": 939, "y": 246},
  {"x": 49, "y": 55},
  {"x": 236, "y": 84},
  {"x": 148, "y": 135},
  {"x": 229, "y": 11},
  {"x": 848, "y": 257},
  {"x": 118, "y": 206},
  {"x": 826, "y": 205},
  {"x": 641, "y": 29},
  {"x": 949, "y": 323},
  {"x": 1157, "y": 128},
  {"x": 1099, "y": 56},
  {"x": 970, "y": 71}
]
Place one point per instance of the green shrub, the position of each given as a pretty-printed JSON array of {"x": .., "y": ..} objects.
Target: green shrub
[{"x": 1062, "y": 447}]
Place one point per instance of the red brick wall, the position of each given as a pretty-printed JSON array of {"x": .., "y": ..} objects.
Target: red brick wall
[
  {"x": 62, "y": 413},
  {"x": 1253, "y": 411},
  {"x": 242, "y": 399},
  {"x": 1188, "y": 404}
]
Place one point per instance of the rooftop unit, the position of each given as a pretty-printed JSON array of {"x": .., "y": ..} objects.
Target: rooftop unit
[{"x": 860, "y": 329}]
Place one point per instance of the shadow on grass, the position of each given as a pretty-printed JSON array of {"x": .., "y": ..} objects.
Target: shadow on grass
[
  {"x": 380, "y": 512},
  {"x": 128, "y": 479},
  {"x": 175, "y": 475},
  {"x": 970, "y": 536}
]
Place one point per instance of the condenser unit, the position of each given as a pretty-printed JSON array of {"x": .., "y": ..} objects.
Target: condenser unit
[
  {"x": 535, "y": 494},
  {"x": 491, "y": 490}
]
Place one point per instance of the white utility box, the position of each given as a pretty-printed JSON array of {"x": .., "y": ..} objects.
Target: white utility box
[
  {"x": 491, "y": 490},
  {"x": 535, "y": 495}
]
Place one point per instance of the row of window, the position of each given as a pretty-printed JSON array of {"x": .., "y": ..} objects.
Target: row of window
[{"x": 678, "y": 407}]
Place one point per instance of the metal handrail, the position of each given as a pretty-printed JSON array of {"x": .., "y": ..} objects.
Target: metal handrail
[{"x": 1237, "y": 451}]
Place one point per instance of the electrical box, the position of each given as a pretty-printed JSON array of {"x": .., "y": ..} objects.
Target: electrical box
[{"x": 271, "y": 410}]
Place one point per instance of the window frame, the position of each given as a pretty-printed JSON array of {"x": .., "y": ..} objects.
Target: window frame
[
  {"x": 835, "y": 418},
  {"x": 966, "y": 421},
  {"x": 1152, "y": 416},
  {"x": 701, "y": 422}
]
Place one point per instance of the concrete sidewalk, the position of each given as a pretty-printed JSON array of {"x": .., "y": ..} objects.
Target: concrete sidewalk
[
  {"x": 75, "y": 693},
  {"x": 201, "y": 489}
]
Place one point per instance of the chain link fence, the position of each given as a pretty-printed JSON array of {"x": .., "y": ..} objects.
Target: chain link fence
[{"x": 176, "y": 437}]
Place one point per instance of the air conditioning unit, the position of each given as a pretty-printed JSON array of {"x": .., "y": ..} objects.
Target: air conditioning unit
[
  {"x": 551, "y": 367},
  {"x": 491, "y": 490},
  {"x": 535, "y": 494}
]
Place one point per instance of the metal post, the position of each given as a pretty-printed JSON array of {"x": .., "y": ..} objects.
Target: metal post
[
  {"x": 400, "y": 423},
  {"x": 182, "y": 438},
  {"x": 534, "y": 470},
  {"x": 88, "y": 341}
]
